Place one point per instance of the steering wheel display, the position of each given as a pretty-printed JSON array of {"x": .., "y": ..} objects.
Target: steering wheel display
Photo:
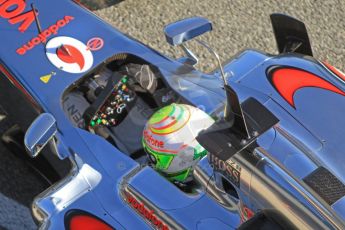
[{"x": 112, "y": 105}]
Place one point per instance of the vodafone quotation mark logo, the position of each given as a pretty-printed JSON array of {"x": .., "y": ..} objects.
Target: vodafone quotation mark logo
[{"x": 69, "y": 54}]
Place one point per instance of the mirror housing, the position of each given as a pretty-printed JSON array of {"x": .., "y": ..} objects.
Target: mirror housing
[
  {"x": 40, "y": 132},
  {"x": 181, "y": 31}
]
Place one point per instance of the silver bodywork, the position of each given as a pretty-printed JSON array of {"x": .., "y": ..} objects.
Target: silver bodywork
[{"x": 270, "y": 177}]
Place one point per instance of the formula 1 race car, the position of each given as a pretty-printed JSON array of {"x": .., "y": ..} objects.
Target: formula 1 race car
[{"x": 84, "y": 93}]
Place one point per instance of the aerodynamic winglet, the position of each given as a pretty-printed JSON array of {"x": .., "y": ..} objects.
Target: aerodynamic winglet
[
  {"x": 291, "y": 34},
  {"x": 223, "y": 139}
]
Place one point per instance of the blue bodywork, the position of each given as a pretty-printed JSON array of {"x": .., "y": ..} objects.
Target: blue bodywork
[
  {"x": 286, "y": 154},
  {"x": 93, "y": 150}
]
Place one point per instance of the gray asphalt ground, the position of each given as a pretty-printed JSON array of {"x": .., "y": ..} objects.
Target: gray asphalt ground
[
  {"x": 238, "y": 24},
  {"x": 18, "y": 186}
]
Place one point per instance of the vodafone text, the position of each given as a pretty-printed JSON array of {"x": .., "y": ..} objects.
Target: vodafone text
[
  {"x": 13, "y": 10},
  {"x": 42, "y": 37},
  {"x": 146, "y": 213}
]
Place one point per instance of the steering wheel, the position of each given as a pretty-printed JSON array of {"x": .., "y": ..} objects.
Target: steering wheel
[{"x": 112, "y": 104}]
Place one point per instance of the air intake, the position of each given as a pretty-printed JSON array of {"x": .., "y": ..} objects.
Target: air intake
[{"x": 324, "y": 183}]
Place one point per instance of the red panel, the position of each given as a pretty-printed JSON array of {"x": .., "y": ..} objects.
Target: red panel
[
  {"x": 335, "y": 70},
  {"x": 70, "y": 54},
  {"x": 288, "y": 80},
  {"x": 85, "y": 222}
]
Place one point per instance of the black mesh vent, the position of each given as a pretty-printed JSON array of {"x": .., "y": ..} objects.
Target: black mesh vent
[{"x": 324, "y": 183}]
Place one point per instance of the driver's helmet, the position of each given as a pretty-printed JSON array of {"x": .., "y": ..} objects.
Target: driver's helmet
[{"x": 169, "y": 140}]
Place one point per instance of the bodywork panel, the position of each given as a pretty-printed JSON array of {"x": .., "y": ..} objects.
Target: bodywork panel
[{"x": 310, "y": 133}]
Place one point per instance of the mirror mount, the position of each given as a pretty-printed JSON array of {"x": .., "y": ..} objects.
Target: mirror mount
[
  {"x": 179, "y": 32},
  {"x": 191, "y": 58},
  {"x": 40, "y": 132},
  {"x": 215, "y": 54}
]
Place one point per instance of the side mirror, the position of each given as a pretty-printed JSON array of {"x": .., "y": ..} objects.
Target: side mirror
[
  {"x": 40, "y": 132},
  {"x": 181, "y": 31}
]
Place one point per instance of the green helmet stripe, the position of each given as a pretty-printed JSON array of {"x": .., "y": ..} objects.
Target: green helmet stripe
[
  {"x": 161, "y": 114},
  {"x": 199, "y": 152},
  {"x": 163, "y": 160},
  {"x": 179, "y": 176},
  {"x": 174, "y": 125},
  {"x": 181, "y": 114}
]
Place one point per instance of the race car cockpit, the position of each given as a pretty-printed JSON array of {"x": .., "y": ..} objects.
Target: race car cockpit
[{"x": 117, "y": 99}]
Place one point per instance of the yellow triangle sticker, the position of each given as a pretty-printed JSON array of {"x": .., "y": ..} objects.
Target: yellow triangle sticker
[{"x": 45, "y": 79}]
